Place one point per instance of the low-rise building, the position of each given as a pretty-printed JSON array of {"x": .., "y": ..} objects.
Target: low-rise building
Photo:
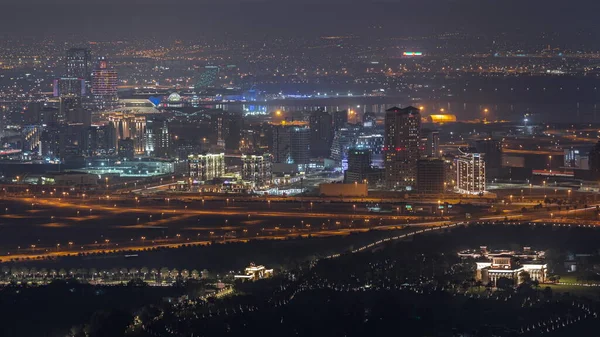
[{"x": 510, "y": 267}]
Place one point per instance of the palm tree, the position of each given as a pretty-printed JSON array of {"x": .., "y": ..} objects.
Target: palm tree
[
  {"x": 44, "y": 273},
  {"x": 33, "y": 272},
  {"x": 113, "y": 273},
  {"x": 5, "y": 271},
  {"x": 164, "y": 273},
  {"x": 73, "y": 273},
  {"x": 24, "y": 272},
  {"x": 174, "y": 273},
  {"x": 185, "y": 273},
  {"x": 93, "y": 273},
  {"x": 144, "y": 272},
  {"x": 134, "y": 272},
  {"x": 195, "y": 274},
  {"x": 123, "y": 272},
  {"x": 53, "y": 273},
  {"x": 154, "y": 273},
  {"x": 62, "y": 273}
]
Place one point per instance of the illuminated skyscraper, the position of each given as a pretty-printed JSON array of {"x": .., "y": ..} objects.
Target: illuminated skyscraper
[
  {"x": 402, "y": 147},
  {"x": 359, "y": 165},
  {"x": 104, "y": 84},
  {"x": 78, "y": 63},
  {"x": 470, "y": 172},
  {"x": 291, "y": 144},
  {"x": 69, "y": 86},
  {"x": 207, "y": 78},
  {"x": 128, "y": 126},
  {"x": 157, "y": 137}
]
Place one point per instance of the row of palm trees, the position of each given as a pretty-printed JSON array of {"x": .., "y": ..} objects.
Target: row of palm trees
[{"x": 114, "y": 274}]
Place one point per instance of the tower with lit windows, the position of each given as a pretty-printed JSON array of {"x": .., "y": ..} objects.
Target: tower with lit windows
[
  {"x": 402, "y": 147},
  {"x": 470, "y": 172}
]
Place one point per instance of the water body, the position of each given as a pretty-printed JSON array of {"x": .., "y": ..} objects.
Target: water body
[{"x": 559, "y": 99}]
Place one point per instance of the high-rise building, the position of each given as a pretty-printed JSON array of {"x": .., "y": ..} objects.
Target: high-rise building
[
  {"x": 492, "y": 149},
  {"x": 291, "y": 144},
  {"x": 431, "y": 176},
  {"x": 344, "y": 139},
  {"x": 369, "y": 120},
  {"x": 207, "y": 166},
  {"x": 402, "y": 147},
  {"x": 72, "y": 111},
  {"x": 126, "y": 149},
  {"x": 340, "y": 119},
  {"x": 359, "y": 166},
  {"x": 594, "y": 162},
  {"x": 131, "y": 126},
  {"x": 208, "y": 77},
  {"x": 104, "y": 84},
  {"x": 300, "y": 145},
  {"x": 258, "y": 169},
  {"x": 470, "y": 172},
  {"x": 69, "y": 86},
  {"x": 321, "y": 134},
  {"x": 157, "y": 137},
  {"x": 432, "y": 144},
  {"x": 78, "y": 63}
]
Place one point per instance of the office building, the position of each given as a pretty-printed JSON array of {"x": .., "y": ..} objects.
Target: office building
[
  {"x": 431, "y": 141},
  {"x": 69, "y": 86},
  {"x": 359, "y": 166},
  {"x": 126, "y": 149},
  {"x": 470, "y": 172},
  {"x": 492, "y": 149},
  {"x": 258, "y": 169},
  {"x": 207, "y": 78},
  {"x": 131, "y": 126},
  {"x": 402, "y": 147},
  {"x": 78, "y": 63},
  {"x": 340, "y": 119},
  {"x": 594, "y": 162},
  {"x": 204, "y": 167},
  {"x": 104, "y": 84},
  {"x": 321, "y": 134},
  {"x": 369, "y": 120},
  {"x": 157, "y": 137},
  {"x": 344, "y": 139},
  {"x": 431, "y": 176},
  {"x": 71, "y": 111},
  {"x": 291, "y": 144}
]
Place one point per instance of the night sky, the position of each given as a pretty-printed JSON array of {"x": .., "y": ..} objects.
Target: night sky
[{"x": 188, "y": 18}]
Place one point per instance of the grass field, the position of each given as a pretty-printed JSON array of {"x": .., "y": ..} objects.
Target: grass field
[{"x": 591, "y": 292}]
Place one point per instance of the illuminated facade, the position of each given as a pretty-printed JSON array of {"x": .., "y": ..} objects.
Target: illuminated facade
[
  {"x": 509, "y": 267},
  {"x": 78, "y": 63},
  {"x": 258, "y": 169},
  {"x": 470, "y": 172},
  {"x": 129, "y": 126},
  {"x": 402, "y": 147},
  {"x": 291, "y": 144},
  {"x": 104, "y": 83},
  {"x": 203, "y": 167},
  {"x": 157, "y": 139},
  {"x": 254, "y": 273}
]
